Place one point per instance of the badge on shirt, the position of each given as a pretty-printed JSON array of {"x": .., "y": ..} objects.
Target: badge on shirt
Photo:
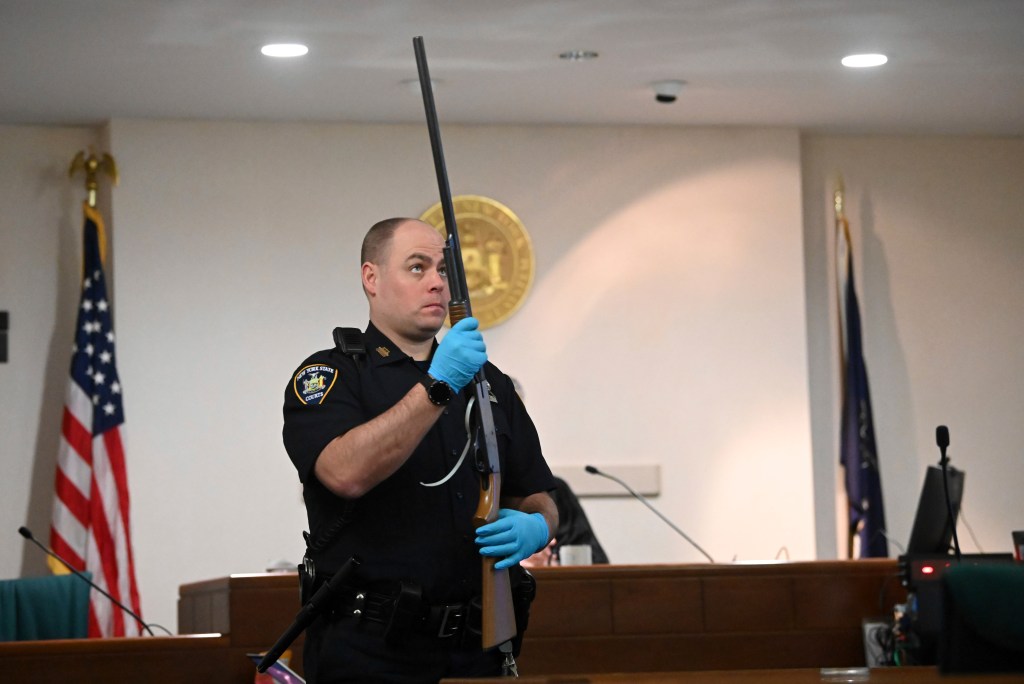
[{"x": 312, "y": 383}]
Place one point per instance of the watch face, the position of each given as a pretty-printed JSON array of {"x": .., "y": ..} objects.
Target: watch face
[{"x": 439, "y": 392}]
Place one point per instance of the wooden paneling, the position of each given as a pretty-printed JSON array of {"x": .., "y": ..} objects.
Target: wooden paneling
[
  {"x": 656, "y": 606},
  {"x": 747, "y": 604},
  {"x": 691, "y": 617},
  {"x": 596, "y": 619},
  {"x": 577, "y": 607},
  {"x": 668, "y": 653},
  {"x": 817, "y": 604},
  {"x": 629, "y": 618},
  {"x": 252, "y": 609},
  {"x": 153, "y": 660}
]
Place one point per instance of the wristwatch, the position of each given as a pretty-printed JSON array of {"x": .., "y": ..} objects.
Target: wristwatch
[{"x": 438, "y": 391}]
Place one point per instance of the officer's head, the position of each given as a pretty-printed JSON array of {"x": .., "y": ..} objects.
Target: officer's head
[{"x": 403, "y": 276}]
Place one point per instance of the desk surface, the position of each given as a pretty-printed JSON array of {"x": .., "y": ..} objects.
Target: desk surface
[
  {"x": 154, "y": 660},
  {"x": 892, "y": 675}
]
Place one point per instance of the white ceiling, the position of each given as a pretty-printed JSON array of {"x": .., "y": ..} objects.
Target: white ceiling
[{"x": 955, "y": 66}]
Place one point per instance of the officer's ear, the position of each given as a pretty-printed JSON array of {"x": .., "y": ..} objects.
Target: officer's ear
[{"x": 370, "y": 274}]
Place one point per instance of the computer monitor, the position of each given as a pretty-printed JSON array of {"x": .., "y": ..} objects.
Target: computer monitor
[{"x": 933, "y": 530}]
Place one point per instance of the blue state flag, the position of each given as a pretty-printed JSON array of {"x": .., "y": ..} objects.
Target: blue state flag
[{"x": 858, "y": 452}]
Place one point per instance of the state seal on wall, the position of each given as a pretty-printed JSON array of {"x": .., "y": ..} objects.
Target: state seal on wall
[{"x": 497, "y": 254}]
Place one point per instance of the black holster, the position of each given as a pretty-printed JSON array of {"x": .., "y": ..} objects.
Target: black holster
[
  {"x": 522, "y": 596},
  {"x": 406, "y": 614},
  {"x": 307, "y": 577}
]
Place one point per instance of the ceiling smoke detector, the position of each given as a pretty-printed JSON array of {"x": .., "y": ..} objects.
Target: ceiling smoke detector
[
  {"x": 578, "y": 55},
  {"x": 666, "y": 92}
]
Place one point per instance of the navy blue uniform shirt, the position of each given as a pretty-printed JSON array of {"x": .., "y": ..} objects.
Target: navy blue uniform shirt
[{"x": 400, "y": 529}]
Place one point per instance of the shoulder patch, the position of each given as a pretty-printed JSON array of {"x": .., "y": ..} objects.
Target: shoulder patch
[{"x": 313, "y": 382}]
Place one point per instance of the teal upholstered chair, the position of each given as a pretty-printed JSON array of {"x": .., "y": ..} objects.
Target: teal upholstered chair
[
  {"x": 44, "y": 608},
  {"x": 983, "y": 619}
]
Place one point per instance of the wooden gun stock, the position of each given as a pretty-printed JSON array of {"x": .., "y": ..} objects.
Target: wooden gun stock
[{"x": 498, "y": 620}]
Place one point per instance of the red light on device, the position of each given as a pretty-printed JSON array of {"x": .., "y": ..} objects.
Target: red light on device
[{"x": 927, "y": 569}]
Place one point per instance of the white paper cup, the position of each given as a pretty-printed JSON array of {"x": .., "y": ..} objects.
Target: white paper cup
[{"x": 575, "y": 554}]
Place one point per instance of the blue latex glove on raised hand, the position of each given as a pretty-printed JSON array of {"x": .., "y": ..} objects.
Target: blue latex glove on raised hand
[
  {"x": 460, "y": 355},
  {"x": 512, "y": 537}
]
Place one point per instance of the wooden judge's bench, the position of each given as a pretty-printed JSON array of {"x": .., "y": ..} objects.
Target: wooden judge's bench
[
  {"x": 624, "y": 618},
  {"x": 692, "y": 623}
]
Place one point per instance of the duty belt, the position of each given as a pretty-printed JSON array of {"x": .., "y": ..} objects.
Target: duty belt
[{"x": 443, "y": 621}]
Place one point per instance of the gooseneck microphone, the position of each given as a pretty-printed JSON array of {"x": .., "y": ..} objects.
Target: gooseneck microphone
[
  {"x": 942, "y": 441},
  {"x": 594, "y": 471},
  {"x": 27, "y": 534}
]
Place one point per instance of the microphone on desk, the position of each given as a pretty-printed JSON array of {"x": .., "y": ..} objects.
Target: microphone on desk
[
  {"x": 27, "y": 534},
  {"x": 942, "y": 441},
  {"x": 594, "y": 471}
]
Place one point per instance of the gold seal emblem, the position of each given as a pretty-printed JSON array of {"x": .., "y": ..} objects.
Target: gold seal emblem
[{"x": 496, "y": 252}]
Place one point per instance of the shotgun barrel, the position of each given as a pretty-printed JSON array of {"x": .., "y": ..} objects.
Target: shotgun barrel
[{"x": 498, "y": 620}]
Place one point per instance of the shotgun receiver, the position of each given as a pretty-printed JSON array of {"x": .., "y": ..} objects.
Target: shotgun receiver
[{"x": 499, "y": 621}]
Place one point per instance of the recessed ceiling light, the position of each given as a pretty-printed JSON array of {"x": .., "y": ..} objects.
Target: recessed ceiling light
[
  {"x": 867, "y": 60},
  {"x": 578, "y": 55},
  {"x": 284, "y": 50}
]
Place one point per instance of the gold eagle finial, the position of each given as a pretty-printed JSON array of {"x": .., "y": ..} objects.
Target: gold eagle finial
[
  {"x": 839, "y": 199},
  {"x": 92, "y": 165}
]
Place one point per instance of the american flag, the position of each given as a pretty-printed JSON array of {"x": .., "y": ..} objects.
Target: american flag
[{"x": 90, "y": 527}]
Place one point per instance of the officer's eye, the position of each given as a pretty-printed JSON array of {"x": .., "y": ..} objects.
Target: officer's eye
[{"x": 443, "y": 270}]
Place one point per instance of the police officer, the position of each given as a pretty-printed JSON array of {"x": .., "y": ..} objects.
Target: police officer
[{"x": 372, "y": 429}]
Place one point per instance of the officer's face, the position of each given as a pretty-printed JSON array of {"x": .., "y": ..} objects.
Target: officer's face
[{"x": 409, "y": 291}]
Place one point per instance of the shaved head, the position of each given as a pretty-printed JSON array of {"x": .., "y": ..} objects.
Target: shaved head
[{"x": 378, "y": 240}]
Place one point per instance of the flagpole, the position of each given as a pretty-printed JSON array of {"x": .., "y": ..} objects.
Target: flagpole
[
  {"x": 842, "y": 263},
  {"x": 839, "y": 224},
  {"x": 842, "y": 242},
  {"x": 838, "y": 198}
]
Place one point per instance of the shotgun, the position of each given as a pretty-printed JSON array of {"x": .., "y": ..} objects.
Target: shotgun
[{"x": 498, "y": 619}]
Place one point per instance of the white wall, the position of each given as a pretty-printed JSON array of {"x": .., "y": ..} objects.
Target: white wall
[
  {"x": 938, "y": 242},
  {"x": 667, "y": 323},
  {"x": 658, "y": 251},
  {"x": 40, "y": 271}
]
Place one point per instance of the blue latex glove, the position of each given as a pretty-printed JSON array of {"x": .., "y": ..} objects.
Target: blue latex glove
[
  {"x": 460, "y": 355},
  {"x": 512, "y": 537}
]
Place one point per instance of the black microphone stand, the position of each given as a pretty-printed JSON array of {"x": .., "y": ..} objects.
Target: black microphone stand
[
  {"x": 27, "y": 534},
  {"x": 942, "y": 440},
  {"x": 594, "y": 471}
]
